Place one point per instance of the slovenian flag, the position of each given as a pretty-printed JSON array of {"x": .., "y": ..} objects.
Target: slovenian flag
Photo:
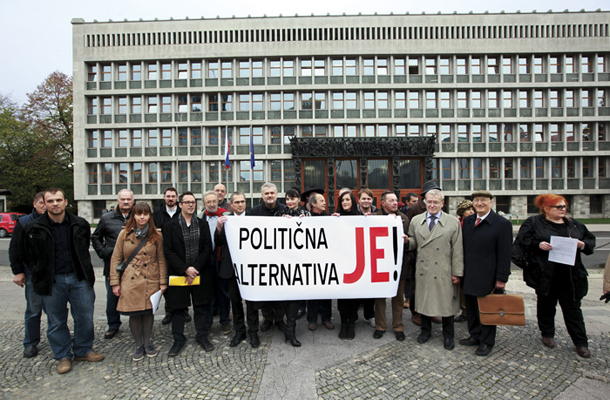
[
  {"x": 252, "y": 161},
  {"x": 227, "y": 163}
]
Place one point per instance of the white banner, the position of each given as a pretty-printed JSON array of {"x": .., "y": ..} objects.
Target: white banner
[{"x": 280, "y": 258}]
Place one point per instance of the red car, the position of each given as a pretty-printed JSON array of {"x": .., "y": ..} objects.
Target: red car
[{"x": 7, "y": 222}]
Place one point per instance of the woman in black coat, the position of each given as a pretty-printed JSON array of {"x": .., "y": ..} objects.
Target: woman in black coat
[
  {"x": 554, "y": 281},
  {"x": 348, "y": 308}
]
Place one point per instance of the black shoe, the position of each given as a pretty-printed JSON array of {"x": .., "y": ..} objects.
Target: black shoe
[
  {"x": 483, "y": 350},
  {"x": 187, "y": 317},
  {"x": 343, "y": 331},
  {"x": 290, "y": 337},
  {"x": 583, "y": 351},
  {"x": 176, "y": 348},
  {"x": 449, "y": 344},
  {"x": 378, "y": 334},
  {"x": 459, "y": 318},
  {"x": 237, "y": 339},
  {"x": 281, "y": 325},
  {"x": 301, "y": 313},
  {"x": 206, "y": 344},
  {"x": 30, "y": 351},
  {"x": 110, "y": 333},
  {"x": 400, "y": 336},
  {"x": 254, "y": 340},
  {"x": 469, "y": 341},
  {"x": 167, "y": 319},
  {"x": 266, "y": 325},
  {"x": 351, "y": 331},
  {"x": 423, "y": 338}
]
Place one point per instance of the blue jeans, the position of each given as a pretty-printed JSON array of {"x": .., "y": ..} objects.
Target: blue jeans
[
  {"x": 112, "y": 315},
  {"x": 33, "y": 312},
  {"x": 67, "y": 289}
]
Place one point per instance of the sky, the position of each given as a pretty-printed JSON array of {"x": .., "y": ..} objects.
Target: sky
[{"x": 37, "y": 34}]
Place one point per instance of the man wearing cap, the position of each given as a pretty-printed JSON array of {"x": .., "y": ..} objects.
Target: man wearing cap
[
  {"x": 488, "y": 240},
  {"x": 309, "y": 190}
]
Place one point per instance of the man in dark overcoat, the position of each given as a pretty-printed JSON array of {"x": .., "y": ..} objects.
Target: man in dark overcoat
[
  {"x": 187, "y": 245},
  {"x": 488, "y": 239}
]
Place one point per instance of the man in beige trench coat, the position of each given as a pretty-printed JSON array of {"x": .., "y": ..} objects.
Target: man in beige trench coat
[{"x": 437, "y": 237}]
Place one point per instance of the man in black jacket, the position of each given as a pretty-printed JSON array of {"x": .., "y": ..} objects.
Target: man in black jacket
[
  {"x": 487, "y": 239},
  {"x": 56, "y": 248},
  {"x": 23, "y": 277},
  {"x": 164, "y": 214},
  {"x": 103, "y": 240},
  {"x": 226, "y": 271},
  {"x": 187, "y": 245}
]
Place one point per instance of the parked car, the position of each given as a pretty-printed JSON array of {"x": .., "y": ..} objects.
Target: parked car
[{"x": 7, "y": 223}]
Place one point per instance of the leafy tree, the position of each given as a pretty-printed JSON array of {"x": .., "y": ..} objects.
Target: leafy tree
[{"x": 36, "y": 142}]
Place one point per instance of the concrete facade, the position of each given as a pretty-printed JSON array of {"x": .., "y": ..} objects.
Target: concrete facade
[{"x": 518, "y": 102}]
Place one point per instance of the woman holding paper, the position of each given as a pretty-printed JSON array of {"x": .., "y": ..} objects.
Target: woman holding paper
[
  {"x": 566, "y": 281},
  {"x": 145, "y": 275}
]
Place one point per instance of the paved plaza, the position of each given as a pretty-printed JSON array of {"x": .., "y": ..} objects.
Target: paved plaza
[{"x": 325, "y": 367}]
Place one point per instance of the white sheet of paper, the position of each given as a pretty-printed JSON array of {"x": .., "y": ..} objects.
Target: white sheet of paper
[
  {"x": 564, "y": 250},
  {"x": 155, "y": 299}
]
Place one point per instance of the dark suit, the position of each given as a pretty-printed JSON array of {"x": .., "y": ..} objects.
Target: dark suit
[
  {"x": 179, "y": 298},
  {"x": 226, "y": 272},
  {"x": 487, "y": 249}
]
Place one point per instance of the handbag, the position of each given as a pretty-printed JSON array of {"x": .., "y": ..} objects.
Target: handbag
[
  {"x": 123, "y": 264},
  {"x": 502, "y": 309}
]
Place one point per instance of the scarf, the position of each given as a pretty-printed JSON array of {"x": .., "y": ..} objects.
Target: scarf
[
  {"x": 191, "y": 239},
  {"x": 141, "y": 233},
  {"x": 218, "y": 212}
]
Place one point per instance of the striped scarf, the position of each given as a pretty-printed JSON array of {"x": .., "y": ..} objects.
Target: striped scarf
[{"x": 191, "y": 239}]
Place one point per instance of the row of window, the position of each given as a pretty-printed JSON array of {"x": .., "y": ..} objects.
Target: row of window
[
  {"x": 524, "y": 168},
  {"x": 348, "y": 66},
  {"x": 188, "y": 172},
  {"x": 348, "y": 33},
  {"x": 350, "y": 100},
  {"x": 446, "y": 133}
]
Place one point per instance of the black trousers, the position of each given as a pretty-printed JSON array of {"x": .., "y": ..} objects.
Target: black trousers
[
  {"x": 273, "y": 311},
  {"x": 200, "y": 323},
  {"x": 252, "y": 308},
  {"x": 572, "y": 313},
  {"x": 368, "y": 308},
  {"x": 236, "y": 305},
  {"x": 348, "y": 309},
  {"x": 426, "y": 326},
  {"x": 324, "y": 307},
  {"x": 486, "y": 334},
  {"x": 291, "y": 309}
]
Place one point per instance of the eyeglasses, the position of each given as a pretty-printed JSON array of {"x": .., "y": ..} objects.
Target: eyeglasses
[
  {"x": 188, "y": 203},
  {"x": 561, "y": 207}
]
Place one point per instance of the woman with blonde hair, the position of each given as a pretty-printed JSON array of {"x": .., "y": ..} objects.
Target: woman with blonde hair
[
  {"x": 556, "y": 282},
  {"x": 145, "y": 275}
]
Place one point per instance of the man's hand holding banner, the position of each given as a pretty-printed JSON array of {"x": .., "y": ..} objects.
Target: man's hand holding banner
[{"x": 316, "y": 258}]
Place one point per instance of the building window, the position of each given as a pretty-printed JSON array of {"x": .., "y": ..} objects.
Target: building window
[
  {"x": 556, "y": 167},
  {"x": 493, "y": 66},
  {"x": 92, "y": 73},
  {"x": 213, "y": 102},
  {"x": 320, "y": 100},
  {"x": 106, "y": 73},
  {"x": 166, "y": 71},
  {"x": 106, "y": 105},
  {"x": 213, "y": 174},
  {"x": 350, "y": 67},
  {"x": 122, "y": 105},
  {"x": 524, "y": 99},
  {"x": 444, "y": 66},
  {"x": 213, "y": 136},
  {"x": 524, "y": 65},
  {"x": 476, "y": 100},
  {"x": 288, "y": 67},
  {"x": 382, "y": 66},
  {"x": 93, "y": 139},
  {"x": 571, "y": 167},
  {"x": 463, "y": 168},
  {"x": 586, "y": 65},
  {"x": 246, "y": 172},
  {"x": 244, "y": 69},
  {"x": 337, "y": 69},
  {"x": 226, "y": 69},
  {"x": 431, "y": 100},
  {"x": 400, "y": 100},
  {"x": 152, "y": 72},
  {"x": 508, "y": 168},
  {"x": 493, "y": 133},
  {"x": 399, "y": 66},
  {"x": 92, "y": 106},
  {"x": 526, "y": 168},
  {"x": 477, "y": 133},
  {"x": 166, "y": 172},
  {"x": 123, "y": 138},
  {"x": 305, "y": 101},
  {"x": 414, "y": 66},
  {"x": 554, "y": 99},
  {"x": 196, "y": 171},
  {"x": 288, "y": 101},
  {"x": 122, "y": 72},
  {"x": 587, "y": 167},
  {"x": 570, "y": 65},
  {"x": 351, "y": 101},
  {"x": 107, "y": 174},
  {"x": 136, "y": 172},
  {"x": 570, "y": 132},
  {"x": 195, "y": 137},
  {"x": 463, "y": 133},
  {"x": 507, "y": 66},
  {"x": 136, "y": 105},
  {"x": 123, "y": 172},
  {"x": 554, "y": 65},
  {"x": 555, "y": 132},
  {"x": 507, "y": 99},
  {"x": 538, "y": 66},
  {"x": 196, "y": 70},
  {"x": 183, "y": 137},
  {"x": 257, "y": 102},
  {"x": 153, "y": 105},
  {"x": 244, "y": 102},
  {"x": 306, "y": 68},
  {"x": 166, "y": 104},
  {"x": 166, "y": 137},
  {"x": 275, "y": 101},
  {"x": 257, "y": 69},
  {"x": 431, "y": 66},
  {"x": 524, "y": 133},
  {"x": 414, "y": 100},
  {"x": 539, "y": 167},
  {"x": 414, "y": 130},
  {"x": 152, "y": 173},
  {"x": 183, "y": 171},
  {"x": 586, "y": 98},
  {"x": 136, "y": 138},
  {"x": 446, "y": 170},
  {"x": 475, "y": 66},
  {"x": 462, "y": 99},
  {"x": 368, "y": 66},
  {"x": 601, "y": 64},
  {"x": 587, "y": 133},
  {"x": 212, "y": 70},
  {"x": 494, "y": 168},
  {"x": 153, "y": 137},
  {"x": 538, "y": 99},
  {"x": 595, "y": 203},
  {"x": 319, "y": 67},
  {"x": 477, "y": 168},
  {"x": 538, "y": 133},
  {"x": 445, "y": 135},
  {"x": 136, "y": 72},
  {"x": 107, "y": 139},
  {"x": 570, "y": 98},
  {"x": 461, "y": 66}
]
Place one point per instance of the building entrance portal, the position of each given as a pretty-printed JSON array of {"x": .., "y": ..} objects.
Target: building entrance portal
[{"x": 380, "y": 164}]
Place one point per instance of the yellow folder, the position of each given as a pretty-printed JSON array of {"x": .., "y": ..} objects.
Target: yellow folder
[{"x": 175, "y": 280}]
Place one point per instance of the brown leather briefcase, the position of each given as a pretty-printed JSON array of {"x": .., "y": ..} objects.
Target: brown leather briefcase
[{"x": 502, "y": 309}]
